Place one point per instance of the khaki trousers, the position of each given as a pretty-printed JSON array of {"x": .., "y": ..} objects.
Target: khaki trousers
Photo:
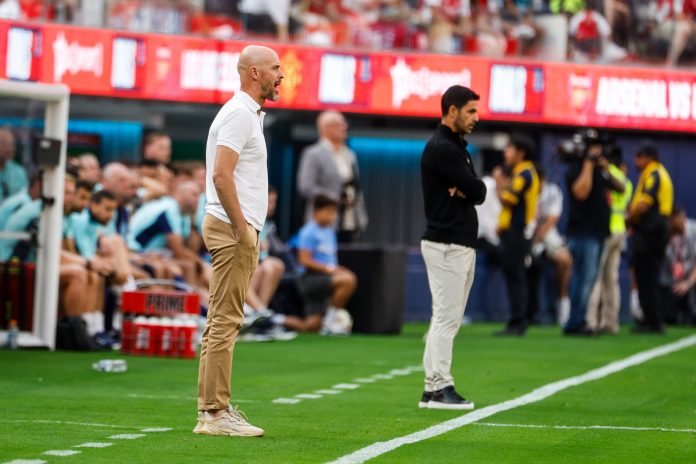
[
  {"x": 450, "y": 275},
  {"x": 606, "y": 292},
  {"x": 234, "y": 261}
]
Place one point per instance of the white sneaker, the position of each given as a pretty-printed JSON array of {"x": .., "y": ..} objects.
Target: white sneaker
[
  {"x": 281, "y": 333},
  {"x": 254, "y": 337},
  {"x": 254, "y": 319},
  {"x": 231, "y": 423},
  {"x": 199, "y": 425}
]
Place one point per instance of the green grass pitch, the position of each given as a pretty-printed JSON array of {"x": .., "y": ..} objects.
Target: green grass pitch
[{"x": 48, "y": 399}]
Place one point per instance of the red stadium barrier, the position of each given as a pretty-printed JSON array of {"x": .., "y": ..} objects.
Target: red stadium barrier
[{"x": 180, "y": 68}]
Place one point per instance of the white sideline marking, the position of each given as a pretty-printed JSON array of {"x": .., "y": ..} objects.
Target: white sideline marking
[
  {"x": 175, "y": 397},
  {"x": 127, "y": 436},
  {"x": 93, "y": 445},
  {"x": 379, "y": 448},
  {"x": 346, "y": 386},
  {"x": 286, "y": 401},
  {"x": 156, "y": 429},
  {"x": 62, "y": 452},
  {"x": 45, "y": 421},
  {"x": 589, "y": 427},
  {"x": 338, "y": 388},
  {"x": 26, "y": 461}
]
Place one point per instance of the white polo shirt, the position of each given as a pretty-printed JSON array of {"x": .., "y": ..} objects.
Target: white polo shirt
[{"x": 239, "y": 126}]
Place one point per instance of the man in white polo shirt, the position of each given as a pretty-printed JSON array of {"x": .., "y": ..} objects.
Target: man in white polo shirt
[{"x": 237, "y": 197}]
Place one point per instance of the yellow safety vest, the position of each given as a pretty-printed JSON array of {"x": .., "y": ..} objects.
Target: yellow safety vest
[{"x": 619, "y": 201}]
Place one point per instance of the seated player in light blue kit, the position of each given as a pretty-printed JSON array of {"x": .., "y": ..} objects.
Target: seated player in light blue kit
[
  {"x": 160, "y": 230},
  {"x": 325, "y": 286}
]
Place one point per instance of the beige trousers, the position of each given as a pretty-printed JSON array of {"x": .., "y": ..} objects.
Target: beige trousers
[
  {"x": 605, "y": 298},
  {"x": 234, "y": 261},
  {"x": 450, "y": 275}
]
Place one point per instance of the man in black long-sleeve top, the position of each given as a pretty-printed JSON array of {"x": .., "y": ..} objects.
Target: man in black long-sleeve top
[{"x": 451, "y": 188}]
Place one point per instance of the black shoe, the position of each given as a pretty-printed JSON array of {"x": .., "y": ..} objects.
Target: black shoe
[
  {"x": 425, "y": 399},
  {"x": 580, "y": 332},
  {"x": 648, "y": 329},
  {"x": 448, "y": 398},
  {"x": 511, "y": 331}
]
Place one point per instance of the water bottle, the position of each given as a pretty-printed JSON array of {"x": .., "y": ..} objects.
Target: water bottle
[
  {"x": 12, "y": 335},
  {"x": 110, "y": 365}
]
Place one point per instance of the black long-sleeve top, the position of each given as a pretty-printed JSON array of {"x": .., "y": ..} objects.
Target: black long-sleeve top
[{"x": 446, "y": 163}]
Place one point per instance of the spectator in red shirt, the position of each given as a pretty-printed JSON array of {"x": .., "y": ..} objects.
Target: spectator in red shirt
[
  {"x": 588, "y": 29},
  {"x": 391, "y": 28},
  {"x": 325, "y": 22}
]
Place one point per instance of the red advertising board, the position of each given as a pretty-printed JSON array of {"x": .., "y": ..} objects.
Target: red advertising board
[
  {"x": 413, "y": 84},
  {"x": 606, "y": 96},
  {"x": 77, "y": 57},
  {"x": 184, "y": 69},
  {"x": 191, "y": 69}
]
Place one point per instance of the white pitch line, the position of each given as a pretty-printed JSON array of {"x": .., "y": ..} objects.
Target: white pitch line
[
  {"x": 379, "y": 448},
  {"x": 588, "y": 427},
  {"x": 45, "y": 421},
  {"x": 126, "y": 436},
  {"x": 286, "y": 401},
  {"x": 308, "y": 396},
  {"x": 26, "y": 461},
  {"x": 367, "y": 380},
  {"x": 338, "y": 388},
  {"x": 93, "y": 445},
  {"x": 156, "y": 429},
  {"x": 62, "y": 453},
  {"x": 400, "y": 372},
  {"x": 346, "y": 386}
]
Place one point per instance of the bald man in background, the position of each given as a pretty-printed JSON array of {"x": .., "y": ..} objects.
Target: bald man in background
[
  {"x": 237, "y": 199},
  {"x": 121, "y": 181},
  {"x": 330, "y": 168}
]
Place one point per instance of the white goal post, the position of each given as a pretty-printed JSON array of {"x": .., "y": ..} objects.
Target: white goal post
[{"x": 56, "y": 97}]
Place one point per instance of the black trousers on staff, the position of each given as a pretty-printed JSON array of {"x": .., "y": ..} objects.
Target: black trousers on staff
[
  {"x": 515, "y": 250},
  {"x": 648, "y": 255}
]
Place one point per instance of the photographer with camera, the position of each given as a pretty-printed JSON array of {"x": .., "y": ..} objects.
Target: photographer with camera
[
  {"x": 605, "y": 298},
  {"x": 589, "y": 182}
]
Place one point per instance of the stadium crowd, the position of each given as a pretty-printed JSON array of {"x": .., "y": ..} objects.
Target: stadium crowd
[{"x": 606, "y": 31}]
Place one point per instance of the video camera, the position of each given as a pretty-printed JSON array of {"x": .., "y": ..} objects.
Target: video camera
[{"x": 578, "y": 146}]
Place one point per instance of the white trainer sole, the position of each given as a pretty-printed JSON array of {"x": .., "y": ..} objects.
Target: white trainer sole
[
  {"x": 209, "y": 429},
  {"x": 423, "y": 404},
  {"x": 460, "y": 407}
]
